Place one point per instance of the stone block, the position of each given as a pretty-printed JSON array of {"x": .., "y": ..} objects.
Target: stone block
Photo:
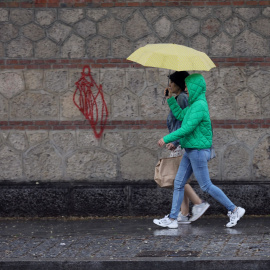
[
  {"x": 112, "y": 80},
  {"x": 11, "y": 83},
  {"x": 17, "y": 139},
  {"x": 163, "y": 27},
  {"x": 222, "y": 137},
  {"x": 98, "y": 47},
  {"x": 233, "y": 79},
  {"x": 74, "y": 47},
  {"x": 221, "y": 45},
  {"x": 262, "y": 26},
  {"x": 261, "y": 168},
  {"x": 223, "y": 13},
  {"x": 124, "y": 105},
  {"x": 259, "y": 82},
  {"x": 266, "y": 107},
  {"x": 2, "y": 51},
  {"x": 163, "y": 78},
  {"x": 212, "y": 79},
  {"x": 86, "y": 139},
  {"x": 68, "y": 110},
  {"x": 20, "y": 48},
  {"x": 34, "y": 106},
  {"x": 247, "y": 105},
  {"x": 149, "y": 39},
  {"x": 152, "y": 76},
  {"x": 71, "y": 16},
  {"x": 131, "y": 139},
  {"x": 176, "y": 13},
  {"x": 99, "y": 201},
  {"x": 3, "y": 15},
  {"x": 210, "y": 27},
  {"x": 122, "y": 13},
  {"x": 21, "y": 16},
  {"x": 236, "y": 163},
  {"x": 221, "y": 105},
  {"x": 96, "y": 14},
  {"x": 136, "y": 81},
  {"x": 138, "y": 164},
  {"x": 3, "y": 136},
  {"x": 151, "y": 103},
  {"x": 46, "y": 49},
  {"x": 56, "y": 81},
  {"x": 91, "y": 164},
  {"x": 177, "y": 38},
  {"x": 64, "y": 141},
  {"x": 151, "y": 14},
  {"x": 250, "y": 44},
  {"x": 188, "y": 26},
  {"x": 42, "y": 162},
  {"x": 137, "y": 27},
  {"x": 33, "y": 32},
  {"x": 122, "y": 47},
  {"x": 85, "y": 28},
  {"x": 113, "y": 141},
  {"x": 36, "y": 137},
  {"x": 8, "y": 32},
  {"x": 201, "y": 12},
  {"x": 250, "y": 137},
  {"x": 33, "y": 201},
  {"x": 11, "y": 167},
  {"x": 200, "y": 43},
  {"x": 266, "y": 12},
  {"x": 110, "y": 27},
  {"x": 234, "y": 26},
  {"x": 59, "y": 32},
  {"x": 247, "y": 13},
  {"x": 46, "y": 17},
  {"x": 3, "y": 108},
  {"x": 149, "y": 139},
  {"x": 33, "y": 79}
]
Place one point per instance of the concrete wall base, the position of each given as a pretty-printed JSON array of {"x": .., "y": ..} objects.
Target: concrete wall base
[{"x": 118, "y": 199}]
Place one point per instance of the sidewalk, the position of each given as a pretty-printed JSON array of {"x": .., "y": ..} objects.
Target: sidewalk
[{"x": 133, "y": 243}]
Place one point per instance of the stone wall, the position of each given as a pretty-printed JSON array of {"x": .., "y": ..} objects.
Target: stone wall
[{"x": 44, "y": 138}]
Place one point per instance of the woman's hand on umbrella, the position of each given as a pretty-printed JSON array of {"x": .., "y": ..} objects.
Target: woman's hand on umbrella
[{"x": 161, "y": 142}]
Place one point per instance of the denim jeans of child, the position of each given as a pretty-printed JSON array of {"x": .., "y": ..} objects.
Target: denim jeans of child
[{"x": 195, "y": 161}]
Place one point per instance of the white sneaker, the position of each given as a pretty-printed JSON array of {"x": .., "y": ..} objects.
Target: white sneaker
[
  {"x": 198, "y": 210},
  {"x": 181, "y": 219},
  {"x": 235, "y": 216},
  {"x": 166, "y": 222}
]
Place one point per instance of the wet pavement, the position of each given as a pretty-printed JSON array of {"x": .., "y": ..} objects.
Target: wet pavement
[{"x": 134, "y": 243}]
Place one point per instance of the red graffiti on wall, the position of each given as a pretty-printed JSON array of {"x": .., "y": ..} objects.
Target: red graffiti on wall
[{"x": 89, "y": 99}]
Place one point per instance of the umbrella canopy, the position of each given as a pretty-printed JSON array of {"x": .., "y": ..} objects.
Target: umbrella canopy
[{"x": 171, "y": 56}]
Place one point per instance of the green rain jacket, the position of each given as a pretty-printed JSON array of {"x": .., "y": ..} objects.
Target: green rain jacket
[{"x": 196, "y": 129}]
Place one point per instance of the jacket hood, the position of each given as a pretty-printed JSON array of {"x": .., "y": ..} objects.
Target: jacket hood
[{"x": 196, "y": 87}]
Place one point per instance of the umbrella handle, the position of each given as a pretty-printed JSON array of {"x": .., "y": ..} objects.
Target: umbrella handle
[{"x": 167, "y": 92}]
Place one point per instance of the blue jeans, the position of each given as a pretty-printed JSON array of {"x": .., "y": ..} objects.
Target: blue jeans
[{"x": 195, "y": 161}]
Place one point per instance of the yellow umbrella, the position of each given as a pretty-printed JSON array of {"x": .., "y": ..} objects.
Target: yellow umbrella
[{"x": 171, "y": 56}]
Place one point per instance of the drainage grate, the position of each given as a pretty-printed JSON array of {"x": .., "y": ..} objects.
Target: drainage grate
[{"x": 168, "y": 253}]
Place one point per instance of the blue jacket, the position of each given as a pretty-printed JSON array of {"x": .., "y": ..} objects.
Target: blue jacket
[{"x": 172, "y": 123}]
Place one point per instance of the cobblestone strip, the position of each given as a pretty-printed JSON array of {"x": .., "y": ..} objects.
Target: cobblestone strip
[{"x": 100, "y": 247}]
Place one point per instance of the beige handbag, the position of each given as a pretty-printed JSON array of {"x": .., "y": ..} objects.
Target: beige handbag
[{"x": 165, "y": 171}]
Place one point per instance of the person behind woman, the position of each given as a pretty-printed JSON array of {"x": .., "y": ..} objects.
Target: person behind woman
[
  {"x": 196, "y": 137},
  {"x": 177, "y": 87}
]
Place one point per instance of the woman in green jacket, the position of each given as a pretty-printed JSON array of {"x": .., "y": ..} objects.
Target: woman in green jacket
[{"x": 195, "y": 136}]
